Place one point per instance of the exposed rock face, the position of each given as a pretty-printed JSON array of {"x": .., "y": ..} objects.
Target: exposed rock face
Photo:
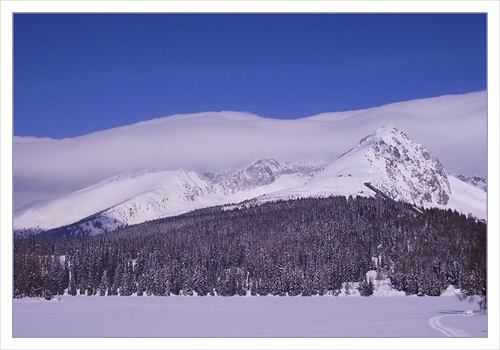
[
  {"x": 413, "y": 173},
  {"x": 480, "y": 182},
  {"x": 264, "y": 172}
]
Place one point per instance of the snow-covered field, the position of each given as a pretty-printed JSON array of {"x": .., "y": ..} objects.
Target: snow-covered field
[{"x": 249, "y": 317}]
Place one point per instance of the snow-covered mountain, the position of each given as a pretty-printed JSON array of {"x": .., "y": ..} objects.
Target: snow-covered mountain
[
  {"x": 453, "y": 128},
  {"x": 395, "y": 164},
  {"x": 480, "y": 182},
  {"x": 136, "y": 197},
  {"x": 265, "y": 172},
  {"x": 388, "y": 159},
  {"x": 399, "y": 167}
]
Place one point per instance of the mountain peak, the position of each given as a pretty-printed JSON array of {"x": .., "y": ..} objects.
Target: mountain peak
[
  {"x": 387, "y": 129},
  {"x": 386, "y": 134},
  {"x": 408, "y": 164},
  {"x": 399, "y": 166}
]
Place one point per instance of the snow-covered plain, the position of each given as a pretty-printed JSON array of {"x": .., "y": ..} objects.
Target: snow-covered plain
[
  {"x": 249, "y": 317},
  {"x": 388, "y": 320}
]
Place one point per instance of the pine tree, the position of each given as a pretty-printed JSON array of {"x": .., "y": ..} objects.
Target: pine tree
[
  {"x": 365, "y": 288},
  {"x": 474, "y": 281}
]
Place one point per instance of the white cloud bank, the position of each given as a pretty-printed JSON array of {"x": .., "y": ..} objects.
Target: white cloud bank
[{"x": 452, "y": 127}]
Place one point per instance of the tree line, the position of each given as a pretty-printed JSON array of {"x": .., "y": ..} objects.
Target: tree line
[{"x": 298, "y": 247}]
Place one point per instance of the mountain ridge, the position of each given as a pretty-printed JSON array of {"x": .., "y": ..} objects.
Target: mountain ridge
[
  {"x": 399, "y": 167},
  {"x": 388, "y": 158}
]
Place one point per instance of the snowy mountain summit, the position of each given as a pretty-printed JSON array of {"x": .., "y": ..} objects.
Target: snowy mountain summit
[
  {"x": 388, "y": 159},
  {"x": 406, "y": 170},
  {"x": 402, "y": 169}
]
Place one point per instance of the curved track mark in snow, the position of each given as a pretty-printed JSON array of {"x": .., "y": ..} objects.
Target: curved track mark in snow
[{"x": 435, "y": 322}]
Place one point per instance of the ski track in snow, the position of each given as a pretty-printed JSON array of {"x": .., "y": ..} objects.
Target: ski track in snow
[{"x": 435, "y": 322}]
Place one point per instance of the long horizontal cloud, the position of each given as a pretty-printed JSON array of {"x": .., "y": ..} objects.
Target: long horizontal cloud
[{"x": 451, "y": 127}]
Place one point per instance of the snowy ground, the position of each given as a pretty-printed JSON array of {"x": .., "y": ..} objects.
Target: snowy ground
[
  {"x": 247, "y": 317},
  {"x": 345, "y": 321},
  {"x": 251, "y": 317}
]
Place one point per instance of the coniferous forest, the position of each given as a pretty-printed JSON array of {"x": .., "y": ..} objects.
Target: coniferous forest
[{"x": 298, "y": 247}]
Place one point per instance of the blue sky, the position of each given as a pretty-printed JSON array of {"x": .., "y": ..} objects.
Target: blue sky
[{"x": 79, "y": 73}]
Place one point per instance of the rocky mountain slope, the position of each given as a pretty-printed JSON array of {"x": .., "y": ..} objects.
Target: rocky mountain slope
[
  {"x": 398, "y": 166},
  {"x": 480, "y": 182}
]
